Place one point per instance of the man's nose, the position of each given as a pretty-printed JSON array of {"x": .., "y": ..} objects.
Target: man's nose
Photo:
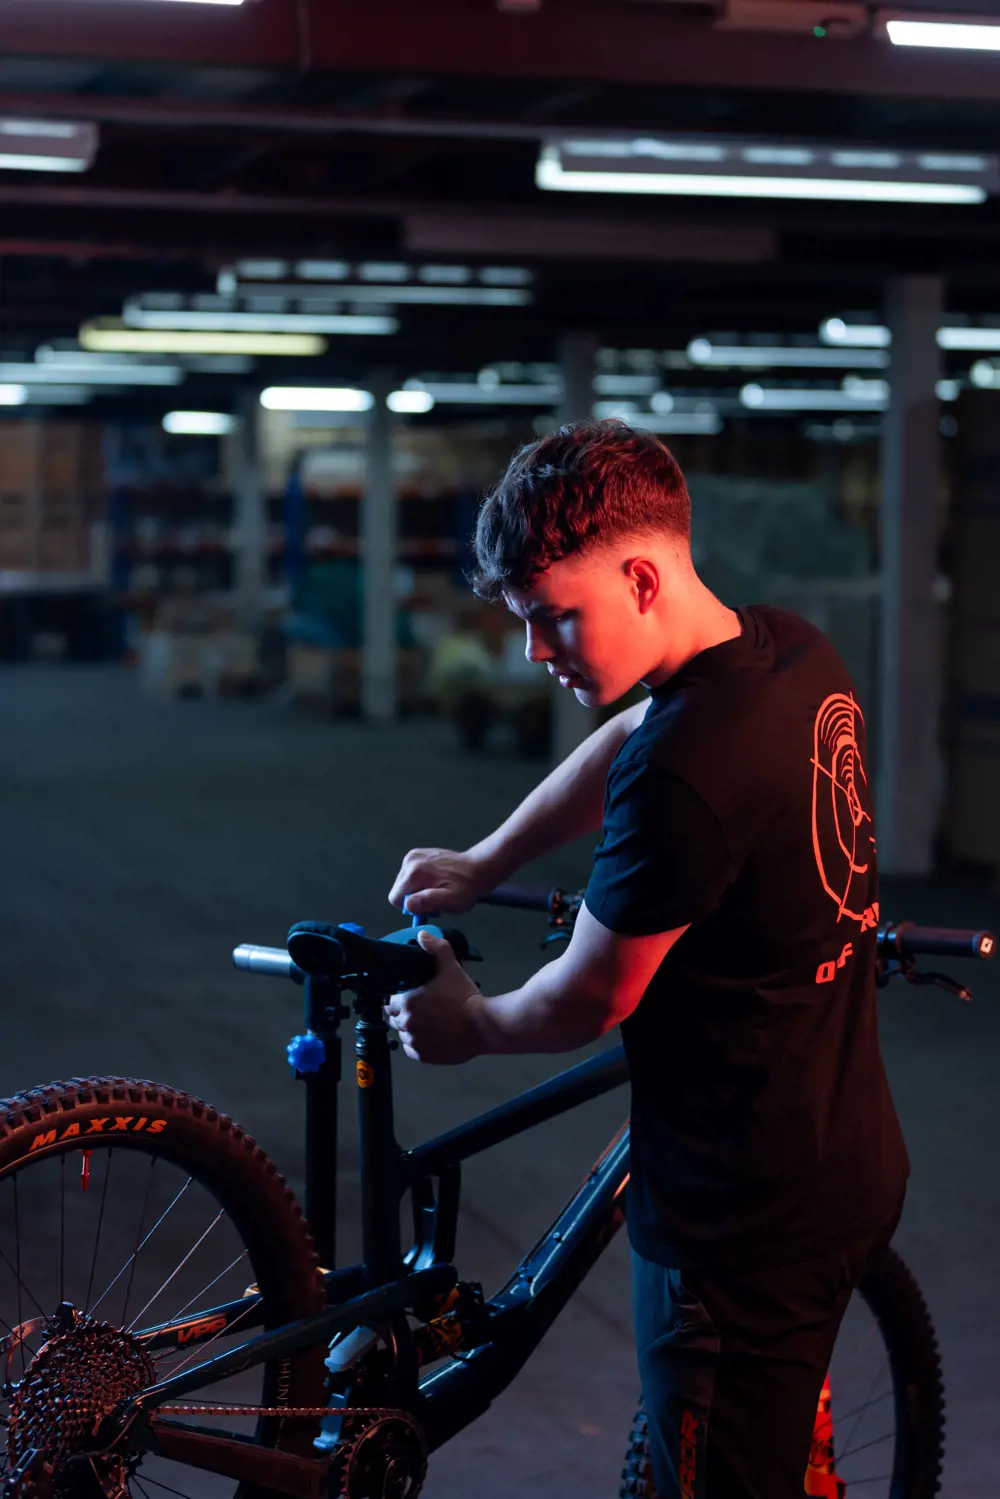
[{"x": 534, "y": 647}]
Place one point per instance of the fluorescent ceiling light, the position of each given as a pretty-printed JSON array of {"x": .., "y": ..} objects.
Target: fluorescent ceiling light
[
  {"x": 692, "y": 184},
  {"x": 506, "y": 275},
  {"x": 971, "y": 36},
  {"x": 262, "y": 270},
  {"x": 737, "y": 169},
  {"x": 259, "y": 322},
  {"x": 835, "y": 331},
  {"x": 984, "y": 374},
  {"x": 682, "y": 424},
  {"x": 865, "y": 390},
  {"x": 59, "y": 395},
  {"x": 704, "y": 420},
  {"x": 113, "y": 337},
  {"x": 759, "y": 398},
  {"x": 384, "y": 270},
  {"x": 103, "y": 374},
  {"x": 626, "y": 385},
  {"x": 969, "y": 340},
  {"x": 462, "y": 393},
  {"x": 872, "y": 335},
  {"x": 47, "y": 145},
  {"x": 13, "y": 395},
  {"x": 435, "y": 295},
  {"x": 410, "y": 402},
  {"x": 321, "y": 270},
  {"x": 323, "y": 398},
  {"x": 702, "y": 351},
  {"x": 199, "y": 423}
]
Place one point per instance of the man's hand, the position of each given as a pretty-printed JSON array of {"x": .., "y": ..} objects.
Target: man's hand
[
  {"x": 440, "y": 879},
  {"x": 438, "y": 1021}
]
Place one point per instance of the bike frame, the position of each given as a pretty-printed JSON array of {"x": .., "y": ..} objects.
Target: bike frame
[{"x": 387, "y": 1284}]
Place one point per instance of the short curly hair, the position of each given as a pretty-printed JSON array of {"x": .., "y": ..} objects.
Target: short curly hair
[{"x": 588, "y": 483}]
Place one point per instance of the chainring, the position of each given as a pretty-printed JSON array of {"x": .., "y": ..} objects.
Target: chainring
[
  {"x": 386, "y": 1460},
  {"x": 76, "y": 1379}
]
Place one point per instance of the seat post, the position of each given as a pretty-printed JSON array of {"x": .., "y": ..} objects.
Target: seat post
[
  {"x": 323, "y": 1014},
  {"x": 380, "y": 1154}
]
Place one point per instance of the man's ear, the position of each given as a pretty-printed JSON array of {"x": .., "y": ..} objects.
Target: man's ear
[{"x": 644, "y": 576}]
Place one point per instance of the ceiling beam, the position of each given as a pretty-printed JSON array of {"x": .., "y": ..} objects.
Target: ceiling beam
[{"x": 606, "y": 41}]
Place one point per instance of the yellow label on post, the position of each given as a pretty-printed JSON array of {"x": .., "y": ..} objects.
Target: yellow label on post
[{"x": 366, "y": 1075}]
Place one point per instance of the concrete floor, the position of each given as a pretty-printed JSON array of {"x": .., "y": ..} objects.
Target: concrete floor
[{"x": 143, "y": 839}]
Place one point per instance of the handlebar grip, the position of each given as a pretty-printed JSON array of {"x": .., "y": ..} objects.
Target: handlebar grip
[
  {"x": 274, "y": 961},
  {"x": 908, "y": 940},
  {"x": 522, "y": 897}
]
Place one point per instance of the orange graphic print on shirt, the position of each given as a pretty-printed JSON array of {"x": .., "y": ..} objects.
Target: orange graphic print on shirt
[{"x": 843, "y": 837}]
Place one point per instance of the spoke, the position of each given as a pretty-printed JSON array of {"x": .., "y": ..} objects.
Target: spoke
[
  {"x": 142, "y": 1220},
  {"x": 143, "y": 1242},
  {"x": 172, "y": 1352},
  {"x": 17, "y": 1271},
  {"x": 97, "y": 1236},
  {"x": 864, "y": 1406},
  {"x": 858, "y": 1483},
  {"x": 875, "y": 1442},
  {"x": 223, "y": 1331},
  {"x": 860, "y": 1409},
  {"x": 177, "y": 1268},
  {"x": 62, "y": 1227}
]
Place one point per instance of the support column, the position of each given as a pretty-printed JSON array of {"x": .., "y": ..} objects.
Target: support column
[
  {"x": 909, "y": 779},
  {"x": 250, "y": 515},
  {"x": 378, "y": 558},
  {"x": 972, "y": 822},
  {"x": 572, "y": 722}
]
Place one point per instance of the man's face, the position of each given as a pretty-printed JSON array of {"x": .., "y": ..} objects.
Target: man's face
[{"x": 584, "y": 625}]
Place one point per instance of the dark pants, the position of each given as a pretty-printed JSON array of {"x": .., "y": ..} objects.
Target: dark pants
[{"x": 732, "y": 1364}]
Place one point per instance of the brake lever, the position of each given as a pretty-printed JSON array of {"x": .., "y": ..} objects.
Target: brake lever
[
  {"x": 891, "y": 968},
  {"x": 942, "y": 981}
]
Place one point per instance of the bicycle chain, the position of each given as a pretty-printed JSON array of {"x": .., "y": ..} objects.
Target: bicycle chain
[{"x": 346, "y": 1452}]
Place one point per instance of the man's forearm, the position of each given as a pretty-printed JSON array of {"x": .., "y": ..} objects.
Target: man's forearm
[
  {"x": 566, "y": 805},
  {"x": 537, "y": 1018}
]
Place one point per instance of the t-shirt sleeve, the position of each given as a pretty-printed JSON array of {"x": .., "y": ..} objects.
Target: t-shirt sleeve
[{"x": 663, "y": 860}]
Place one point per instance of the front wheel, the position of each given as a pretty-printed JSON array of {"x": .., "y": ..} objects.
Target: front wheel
[
  {"x": 887, "y": 1399},
  {"x": 126, "y": 1207}
]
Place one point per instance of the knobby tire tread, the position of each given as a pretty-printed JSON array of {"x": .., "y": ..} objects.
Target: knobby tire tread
[{"x": 228, "y": 1162}]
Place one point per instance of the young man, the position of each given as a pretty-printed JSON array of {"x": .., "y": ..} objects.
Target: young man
[{"x": 729, "y": 928}]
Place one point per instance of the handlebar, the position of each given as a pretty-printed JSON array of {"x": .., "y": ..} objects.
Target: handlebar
[
  {"x": 397, "y": 962},
  {"x": 272, "y": 961},
  {"x": 906, "y": 940},
  {"x": 522, "y": 897}
]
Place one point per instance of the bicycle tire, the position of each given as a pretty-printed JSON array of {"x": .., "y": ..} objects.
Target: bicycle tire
[
  {"x": 230, "y": 1166},
  {"x": 898, "y": 1306}
]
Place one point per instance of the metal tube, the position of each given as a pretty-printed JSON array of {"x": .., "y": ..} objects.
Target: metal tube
[{"x": 556, "y": 1096}]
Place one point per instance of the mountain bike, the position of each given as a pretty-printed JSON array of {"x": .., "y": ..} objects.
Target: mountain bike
[{"x": 172, "y": 1322}]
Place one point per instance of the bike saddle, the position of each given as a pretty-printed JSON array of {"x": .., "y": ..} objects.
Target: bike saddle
[{"x": 386, "y": 965}]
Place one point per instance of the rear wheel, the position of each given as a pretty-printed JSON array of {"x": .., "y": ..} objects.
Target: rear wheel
[
  {"x": 887, "y": 1397},
  {"x": 125, "y": 1206}
]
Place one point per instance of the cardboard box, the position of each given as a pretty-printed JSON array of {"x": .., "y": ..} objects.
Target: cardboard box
[{"x": 63, "y": 544}]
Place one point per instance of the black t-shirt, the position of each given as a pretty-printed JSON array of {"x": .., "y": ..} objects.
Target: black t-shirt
[{"x": 762, "y": 1125}]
